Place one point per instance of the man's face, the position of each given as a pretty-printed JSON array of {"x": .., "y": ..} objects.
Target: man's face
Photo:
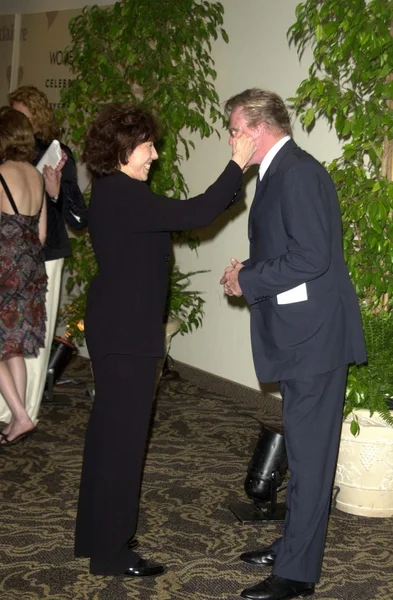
[
  {"x": 21, "y": 107},
  {"x": 238, "y": 126}
]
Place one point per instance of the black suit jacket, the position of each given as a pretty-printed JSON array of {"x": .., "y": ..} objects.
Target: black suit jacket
[
  {"x": 130, "y": 230},
  {"x": 295, "y": 237},
  {"x": 70, "y": 207}
]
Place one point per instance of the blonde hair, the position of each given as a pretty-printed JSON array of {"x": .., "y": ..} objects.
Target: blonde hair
[
  {"x": 42, "y": 116},
  {"x": 261, "y": 106}
]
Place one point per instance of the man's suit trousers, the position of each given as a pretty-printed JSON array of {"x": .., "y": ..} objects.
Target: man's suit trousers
[
  {"x": 312, "y": 418},
  {"x": 113, "y": 460}
]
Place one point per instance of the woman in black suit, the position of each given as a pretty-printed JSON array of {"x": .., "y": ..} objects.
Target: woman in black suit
[{"x": 130, "y": 232}]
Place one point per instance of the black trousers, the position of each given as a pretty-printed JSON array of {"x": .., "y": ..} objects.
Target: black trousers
[
  {"x": 312, "y": 418},
  {"x": 113, "y": 460}
]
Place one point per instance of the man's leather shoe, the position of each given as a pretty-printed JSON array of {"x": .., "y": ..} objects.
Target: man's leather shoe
[
  {"x": 144, "y": 568},
  {"x": 278, "y": 588},
  {"x": 264, "y": 557}
]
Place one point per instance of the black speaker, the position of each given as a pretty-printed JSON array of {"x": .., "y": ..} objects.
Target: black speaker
[
  {"x": 265, "y": 475},
  {"x": 62, "y": 351},
  {"x": 267, "y": 466}
]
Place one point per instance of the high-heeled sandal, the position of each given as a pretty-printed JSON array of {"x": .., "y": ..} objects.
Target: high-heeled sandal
[{"x": 19, "y": 438}]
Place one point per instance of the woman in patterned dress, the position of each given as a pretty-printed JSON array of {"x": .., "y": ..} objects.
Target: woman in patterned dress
[
  {"x": 65, "y": 206},
  {"x": 23, "y": 279}
]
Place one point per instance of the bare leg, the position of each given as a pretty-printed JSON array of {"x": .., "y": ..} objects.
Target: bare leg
[
  {"x": 17, "y": 368},
  {"x": 21, "y": 421}
]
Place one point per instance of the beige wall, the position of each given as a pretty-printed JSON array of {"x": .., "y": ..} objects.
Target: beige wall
[
  {"x": 43, "y": 62},
  {"x": 257, "y": 55},
  {"x": 6, "y": 42}
]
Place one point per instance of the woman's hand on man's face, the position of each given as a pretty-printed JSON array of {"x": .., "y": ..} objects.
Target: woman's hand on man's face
[{"x": 243, "y": 149}]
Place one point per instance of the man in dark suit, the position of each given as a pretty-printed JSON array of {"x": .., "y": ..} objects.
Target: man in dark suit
[{"x": 305, "y": 329}]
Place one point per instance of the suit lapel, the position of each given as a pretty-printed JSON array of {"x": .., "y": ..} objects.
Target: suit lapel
[{"x": 257, "y": 198}]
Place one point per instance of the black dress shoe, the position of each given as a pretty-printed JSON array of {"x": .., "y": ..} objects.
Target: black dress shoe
[
  {"x": 278, "y": 588},
  {"x": 144, "y": 568},
  {"x": 265, "y": 557}
]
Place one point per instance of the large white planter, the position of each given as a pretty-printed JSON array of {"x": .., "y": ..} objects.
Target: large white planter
[{"x": 365, "y": 468}]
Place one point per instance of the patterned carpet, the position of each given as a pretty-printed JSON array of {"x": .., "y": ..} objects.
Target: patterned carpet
[{"x": 202, "y": 439}]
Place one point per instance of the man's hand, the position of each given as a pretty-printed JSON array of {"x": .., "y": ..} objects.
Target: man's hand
[
  {"x": 230, "y": 279},
  {"x": 52, "y": 179}
]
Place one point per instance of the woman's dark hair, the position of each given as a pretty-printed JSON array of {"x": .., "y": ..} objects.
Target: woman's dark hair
[
  {"x": 114, "y": 134},
  {"x": 16, "y": 136}
]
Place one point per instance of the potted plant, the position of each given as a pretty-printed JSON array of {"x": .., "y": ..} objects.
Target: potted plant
[
  {"x": 157, "y": 54},
  {"x": 350, "y": 86}
]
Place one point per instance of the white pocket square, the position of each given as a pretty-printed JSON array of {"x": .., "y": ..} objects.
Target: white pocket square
[{"x": 296, "y": 294}]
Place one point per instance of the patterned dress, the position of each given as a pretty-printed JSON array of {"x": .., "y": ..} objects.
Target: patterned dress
[{"x": 23, "y": 284}]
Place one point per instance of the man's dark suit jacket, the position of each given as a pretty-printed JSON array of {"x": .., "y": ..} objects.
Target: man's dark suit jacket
[
  {"x": 70, "y": 208},
  {"x": 295, "y": 237}
]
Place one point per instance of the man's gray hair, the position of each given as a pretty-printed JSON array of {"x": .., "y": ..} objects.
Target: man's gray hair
[{"x": 261, "y": 106}]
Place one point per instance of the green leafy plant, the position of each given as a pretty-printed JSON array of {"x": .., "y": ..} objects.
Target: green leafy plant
[
  {"x": 154, "y": 53},
  {"x": 350, "y": 85},
  {"x": 182, "y": 303},
  {"x": 370, "y": 386}
]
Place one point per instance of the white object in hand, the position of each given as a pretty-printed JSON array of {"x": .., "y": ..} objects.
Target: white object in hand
[{"x": 51, "y": 157}]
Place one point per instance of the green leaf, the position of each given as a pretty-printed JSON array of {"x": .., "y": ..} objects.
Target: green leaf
[
  {"x": 319, "y": 32},
  {"x": 225, "y": 36},
  {"x": 376, "y": 186},
  {"x": 355, "y": 429},
  {"x": 309, "y": 118}
]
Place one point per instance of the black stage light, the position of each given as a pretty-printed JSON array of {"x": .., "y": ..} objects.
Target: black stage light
[
  {"x": 265, "y": 474},
  {"x": 168, "y": 370},
  {"x": 62, "y": 351}
]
